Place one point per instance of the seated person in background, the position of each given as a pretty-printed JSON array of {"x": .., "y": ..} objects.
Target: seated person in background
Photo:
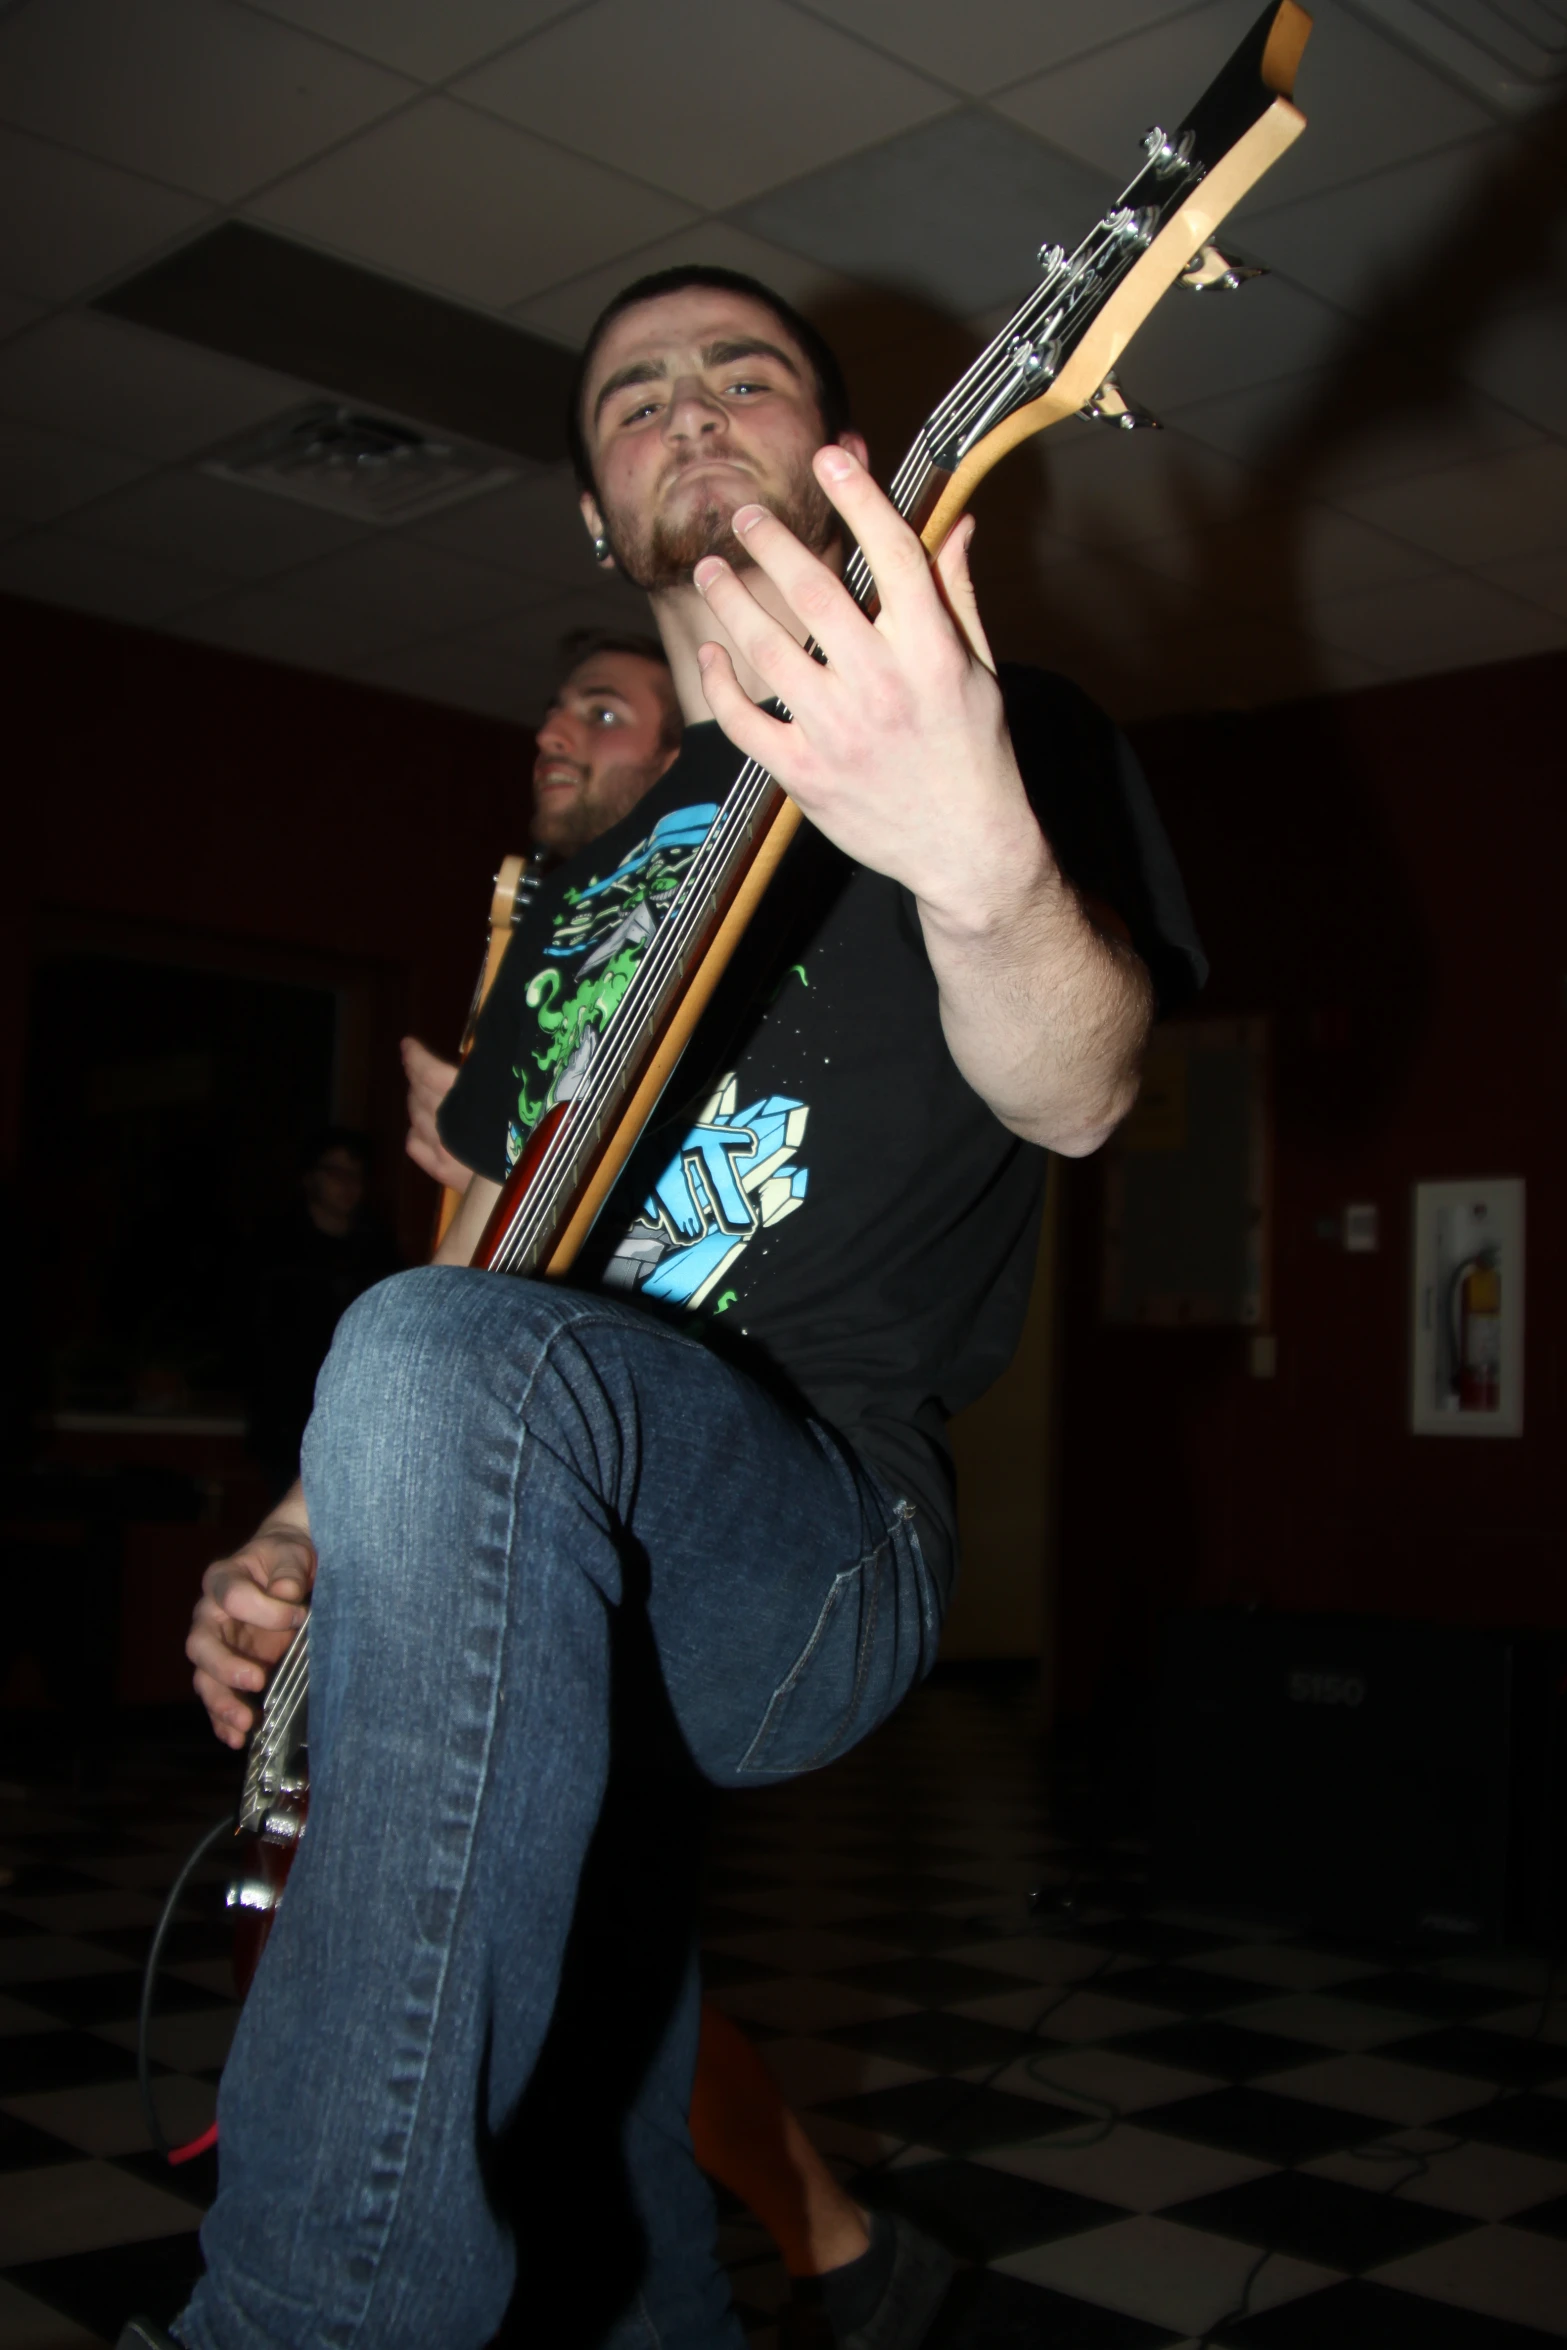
[{"x": 309, "y": 1264}]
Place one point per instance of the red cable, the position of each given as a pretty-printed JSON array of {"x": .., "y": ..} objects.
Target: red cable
[{"x": 208, "y": 2138}]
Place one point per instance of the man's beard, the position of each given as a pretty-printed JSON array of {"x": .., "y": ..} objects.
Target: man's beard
[
  {"x": 664, "y": 554},
  {"x": 561, "y": 831}
]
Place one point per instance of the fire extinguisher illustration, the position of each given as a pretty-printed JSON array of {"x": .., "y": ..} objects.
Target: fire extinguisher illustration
[{"x": 1475, "y": 1327}]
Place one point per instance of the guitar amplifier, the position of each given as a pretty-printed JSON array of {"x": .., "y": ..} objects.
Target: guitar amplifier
[{"x": 1397, "y": 1781}]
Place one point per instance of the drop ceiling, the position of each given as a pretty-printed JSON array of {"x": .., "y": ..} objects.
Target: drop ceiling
[{"x": 1363, "y": 471}]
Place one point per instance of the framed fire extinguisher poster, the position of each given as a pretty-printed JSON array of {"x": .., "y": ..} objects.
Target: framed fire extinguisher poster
[{"x": 1467, "y": 1353}]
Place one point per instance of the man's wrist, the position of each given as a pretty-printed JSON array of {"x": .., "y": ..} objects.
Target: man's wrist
[{"x": 1021, "y": 895}]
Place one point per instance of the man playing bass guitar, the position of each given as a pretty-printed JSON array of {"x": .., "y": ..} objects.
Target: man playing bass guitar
[
  {"x": 719, "y": 1447},
  {"x": 610, "y": 731}
]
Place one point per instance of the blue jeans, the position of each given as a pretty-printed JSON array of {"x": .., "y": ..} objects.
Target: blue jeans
[{"x": 573, "y": 1565}]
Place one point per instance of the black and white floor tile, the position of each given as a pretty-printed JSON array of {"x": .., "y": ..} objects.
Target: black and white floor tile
[{"x": 1136, "y": 2125}]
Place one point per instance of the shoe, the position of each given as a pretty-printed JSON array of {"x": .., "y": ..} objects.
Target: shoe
[
  {"x": 915, "y": 2289},
  {"x": 142, "y": 2334},
  {"x": 921, "y": 2272}
]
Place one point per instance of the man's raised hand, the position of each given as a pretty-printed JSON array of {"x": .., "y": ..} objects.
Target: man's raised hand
[{"x": 899, "y": 750}]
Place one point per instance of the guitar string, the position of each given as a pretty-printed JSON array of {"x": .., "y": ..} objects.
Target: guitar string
[{"x": 282, "y": 1698}]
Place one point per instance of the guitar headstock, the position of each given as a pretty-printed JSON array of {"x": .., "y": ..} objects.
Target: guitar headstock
[{"x": 1058, "y": 352}]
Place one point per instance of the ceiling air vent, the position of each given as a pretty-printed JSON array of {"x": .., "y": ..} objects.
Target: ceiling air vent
[
  {"x": 355, "y": 464},
  {"x": 1509, "y": 51}
]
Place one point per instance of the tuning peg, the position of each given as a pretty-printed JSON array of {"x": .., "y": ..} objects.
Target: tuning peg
[
  {"x": 1168, "y": 155},
  {"x": 1051, "y": 258},
  {"x": 1110, "y": 405},
  {"x": 1211, "y": 268}
]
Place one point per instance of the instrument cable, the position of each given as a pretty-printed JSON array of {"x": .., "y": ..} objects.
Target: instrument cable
[{"x": 223, "y": 1827}]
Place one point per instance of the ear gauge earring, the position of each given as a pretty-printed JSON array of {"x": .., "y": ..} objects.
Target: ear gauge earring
[{"x": 601, "y": 553}]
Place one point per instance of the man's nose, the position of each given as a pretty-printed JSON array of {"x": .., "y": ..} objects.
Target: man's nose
[
  {"x": 693, "y": 410},
  {"x": 557, "y": 735}
]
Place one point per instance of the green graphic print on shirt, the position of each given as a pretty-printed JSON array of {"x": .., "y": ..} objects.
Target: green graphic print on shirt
[
  {"x": 736, "y": 1172},
  {"x": 597, "y": 941}
]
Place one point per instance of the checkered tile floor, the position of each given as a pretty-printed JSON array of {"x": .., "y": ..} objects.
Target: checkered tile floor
[{"x": 1137, "y": 2125}]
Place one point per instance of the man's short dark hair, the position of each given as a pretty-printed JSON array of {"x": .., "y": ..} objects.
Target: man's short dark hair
[
  {"x": 832, "y": 396},
  {"x": 583, "y": 644}
]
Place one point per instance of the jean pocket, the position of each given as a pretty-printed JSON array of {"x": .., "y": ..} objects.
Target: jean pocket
[{"x": 814, "y": 1713}]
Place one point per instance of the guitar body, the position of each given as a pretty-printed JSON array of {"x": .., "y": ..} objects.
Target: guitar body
[
  {"x": 273, "y": 1806},
  {"x": 1056, "y": 357}
]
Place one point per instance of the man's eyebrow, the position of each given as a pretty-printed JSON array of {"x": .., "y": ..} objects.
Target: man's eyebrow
[
  {"x": 651, "y": 371},
  {"x": 747, "y": 347},
  {"x": 636, "y": 371}
]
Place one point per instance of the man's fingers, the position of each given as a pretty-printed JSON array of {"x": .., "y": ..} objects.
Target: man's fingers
[
  {"x": 430, "y": 1079},
  {"x": 815, "y": 594},
  {"x": 750, "y": 729},
  {"x": 268, "y": 1611},
  {"x": 784, "y": 666},
  {"x": 230, "y": 1717},
  {"x": 897, "y": 560},
  {"x": 956, "y": 583}
]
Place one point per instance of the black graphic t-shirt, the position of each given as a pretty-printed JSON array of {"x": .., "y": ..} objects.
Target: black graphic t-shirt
[{"x": 821, "y": 1190}]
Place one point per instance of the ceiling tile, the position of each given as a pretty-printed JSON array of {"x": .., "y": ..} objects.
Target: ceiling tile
[
  {"x": 1449, "y": 620},
  {"x": 604, "y": 601},
  {"x": 275, "y": 626},
  {"x": 413, "y": 37},
  {"x": 711, "y": 101},
  {"x": 1234, "y": 665},
  {"x": 1512, "y": 505},
  {"x": 1195, "y": 345},
  {"x": 533, "y": 528},
  {"x": 566, "y": 312},
  {"x": 955, "y": 212},
  {"x": 118, "y": 583},
  {"x": 465, "y": 676},
  {"x": 1366, "y": 104},
  {"x": 202, "y": 93},
  {"x": 468, "y": 205},
  {"x": 1540, "y": 579},
  {"x": 1329, "y": 431},
  {"x": 16, "y": 314},
  {"x": 1124, "y": 487},
  {"x": 234, "y": 532},
  {"x": 128, "y": 389},
  {"x": 509, "y": 667},
  {"x": 420, "y": 590},
  {"x": 46, "y": 473},
  {"x": 70, "y": 222},
  {"x": 1373, "y": 246},
  {"x": 988, "y": 43},
  {"x": 1283, "y": 558},
  {"x": 1132, "y": 641},
  {"x": 1521, "y": 360}
]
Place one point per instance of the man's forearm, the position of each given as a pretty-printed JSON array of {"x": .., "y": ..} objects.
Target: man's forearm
[{"x": 1045, "y": 1014}]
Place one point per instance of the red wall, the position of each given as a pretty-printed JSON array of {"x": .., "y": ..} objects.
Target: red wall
[
  {"x": 1382, "y": 874},
  {"x": 182, "y": 786}
]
